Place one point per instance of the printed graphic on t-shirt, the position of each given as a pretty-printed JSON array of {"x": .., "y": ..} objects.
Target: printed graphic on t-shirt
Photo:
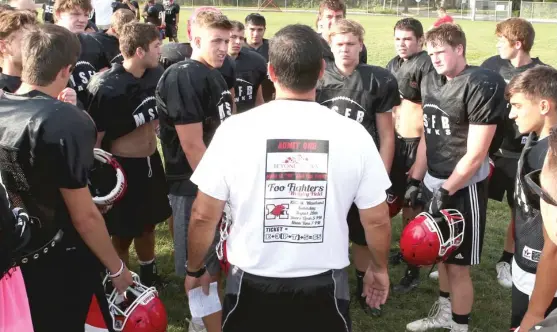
[{"x": 295, "y": 190}]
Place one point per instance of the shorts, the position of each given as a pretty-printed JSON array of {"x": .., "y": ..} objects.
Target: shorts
[
  {"x": 520, "y": 306},
  {"x": 314, "y": 303},
  {"x": 356, "y": 232},
  {"x": 404, "y": 157},
  {"x": 471, "y": 202},
  {"x": 181, "y": 213},
  {"x": 145, "y": 202},
  {"x": 171, "y": 31},
  {"x": 503, "y": 178},
  {"x": 14, "y": 306}
]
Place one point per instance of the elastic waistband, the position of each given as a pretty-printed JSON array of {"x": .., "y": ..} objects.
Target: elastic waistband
[{"x": 407, "y": 139}]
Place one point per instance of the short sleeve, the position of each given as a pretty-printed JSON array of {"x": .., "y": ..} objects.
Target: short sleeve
[
  {"x": 97, "y": 105},
  {"x": 178, "y": 96},
  {"x": 210, "y": 174},
  {"x": 388, "y": 95},
  {"x": 486, "y": 101},
  {"x": 421, "y": 72},
  {"x": 375, "y": 180},
  {"x": 363, "y": 54},
  {"x": 69, "y": 140}
]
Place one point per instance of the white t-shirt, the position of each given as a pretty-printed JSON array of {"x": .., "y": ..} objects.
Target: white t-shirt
[
  {"x": 524, "y": 281},
  {"x": 290, "y": 171},
  {"x": 103, "y": 11}
]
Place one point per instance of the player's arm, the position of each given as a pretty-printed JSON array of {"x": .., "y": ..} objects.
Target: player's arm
[
  {"x": 233, "y": 94},
  {"x": 97, "y": 107},
  {"x": 177, "y": 17},
  {"x": 545, "y": 286},
  {"x": 144, "y": 13},
  {"x": 419, "y": 168},
  {"x": 259, "y": 96},
  {"x": 386, "y": 133},
  {"x": 191, "y": 141}
]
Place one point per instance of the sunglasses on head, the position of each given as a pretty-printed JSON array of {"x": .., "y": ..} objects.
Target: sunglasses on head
[{"x": 533, "y": 182}]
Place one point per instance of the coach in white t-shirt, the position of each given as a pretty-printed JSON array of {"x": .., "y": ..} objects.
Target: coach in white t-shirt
[
  {"x": 103, "y": 13},
  {"x": 290, "y": 169}
]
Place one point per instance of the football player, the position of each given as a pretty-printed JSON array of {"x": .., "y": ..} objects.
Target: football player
[
  {"x": 516, "y": 38},
  {"x": 463, "y": 105},
  {"x": 13, "y": 24},
  {"x": 256, "y": 25},
  {"x": 153, "y": 12},
  {"x": 109, "y": 38},
  {"x": 125, "y": 4},
  {"x": 251, "y": 70},
  {"x": 122, "y": 103},
  {"x": 533, "y": 98},
  {"x": 49, "y": 180},
  {"x": 366, "y": 94},
  {"x": 48, "y": 11},
  {"x": 73, "y": 15},
  {"x": 193, "y": 100},
  {"x": 330, "y": 11},
  {"x": 172, "y": 19},
  {"x": 409, "y": 66}
]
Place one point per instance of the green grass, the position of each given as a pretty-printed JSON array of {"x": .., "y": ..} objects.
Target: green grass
[{"x": 492, "y": 303}]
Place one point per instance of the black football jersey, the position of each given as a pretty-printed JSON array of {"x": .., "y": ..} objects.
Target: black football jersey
[
  {"x": 367, "y": 91},
  {"x": 263, "y": 49},
  {"x": 155, "y": 13},
  {"x": 170, "y": 13},
  {"x": 92, "y": 59},
  {"x": 189, "y": 92},
  {"x": 409, "y": 74},
  {"x": 55, "y": 152},
  {"x": 48, "y": 11},
  {"x": 251, "y": 70},
  {"x": 9, "y": 83},
  {"x": 110, "y": 45},
  {"x": 528, "y": 221},
  {"x": 475, "y": 96},
  {"x": 268, "y": 86},
  {"x": 119, "y": 102},
  {"x": 329, "y": 56},
  {"x": 513, "y": 140}
]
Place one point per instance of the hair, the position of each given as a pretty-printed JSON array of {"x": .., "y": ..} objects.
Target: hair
[
  {"x": 347, "y": 26},
  {"x": 442, "y": 9},
  {"x": 47, "y": 50},
  {"x": 335, "y": 5},
  {"x": 410, "y": 24},
  {"x": 212, "y": 20},
  {"x": 237, "y": 25},
  {"x": 296, "y": 55},
  {"x": 517, "y": 30},
  {"x": 256, "y": 19},
  {"x": 536, "y": 83},
  {"x": 120, "y": 18},
  {"x": 447, "y": 34},
  {"x": 62, "y": 6},
  {"x": 137, "y": 35},
  {"x": 14, "y": 20}
]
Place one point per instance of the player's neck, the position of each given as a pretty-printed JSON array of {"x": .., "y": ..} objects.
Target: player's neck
[
  {"x": 346, "y": 70},
  {"x": 197, "y": 57},
  {"x": 521, "y": 59},
  {"x": 459, "y": 69},
  {"x": 52, "y": 90},
  {"x": 288, "y": 94},
  {"x": 133, "y": 68},
  {"x": 255, "y": 45},
  {"x": 10, "y": 69},
  {"x": 550, "y": 122},
  {"x": 234, "y": 56}
]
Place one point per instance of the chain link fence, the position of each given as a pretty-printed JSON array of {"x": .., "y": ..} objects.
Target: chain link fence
[{"x": 539, "y": 11}]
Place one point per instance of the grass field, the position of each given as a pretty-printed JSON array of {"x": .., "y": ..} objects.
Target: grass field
[{"x": 492, "y": 303}]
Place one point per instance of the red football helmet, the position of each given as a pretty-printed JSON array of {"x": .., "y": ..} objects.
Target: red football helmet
[
  {"x": 140, "y": 310},
  {"x": 426, "y": 241},
  {"x": 395, "y": 204}
]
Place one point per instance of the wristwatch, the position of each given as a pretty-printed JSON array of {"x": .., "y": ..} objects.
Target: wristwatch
[{"x": 196, "y": 274}]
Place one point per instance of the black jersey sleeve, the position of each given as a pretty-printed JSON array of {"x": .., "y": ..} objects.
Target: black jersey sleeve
[
  {"x": 98, "y": 105},
  {"x": 388, "y": 92},
  {"x": 485, "y": 100},
  {"x": 363, "y": 54},
  {"x": 69, "y": 138},
  {"x": 178, "y": 95},
  {"x": 228, "y": 71}
]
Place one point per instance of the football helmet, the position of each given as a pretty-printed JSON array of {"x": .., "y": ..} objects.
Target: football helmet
[
  {"x": 427, "y": 240},
  {"x": 107, "y": 192},
  {"x": 395, "y": 204}
]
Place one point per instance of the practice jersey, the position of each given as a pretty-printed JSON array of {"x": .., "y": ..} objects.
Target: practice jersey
[
  {"x": 329, "y": 56},
  {"x": 155, "y": 13},
  {"x": 48, "y": 11},
  {"x": 189, "y": 92},
  {"x": 263, "y": 49},
  {"x": 110, "y": 45},
  {"x": 528, "y": 230},
  {"x": 92, "y": 59},
  {"x": 119, "y": 102},
  {"x": 9, "y": 83},
  {"x": 475, "y": 96},
  {"x": 268, "y": 86},
  {"x": 46, "y": 144},
  {"x": 409, "y": 74},
  {"x": 251, "y": 70},
  {"x": 170, "y": 13},
  {"x": 368, "y": 91},
  {"x": 513, "y": 140}
]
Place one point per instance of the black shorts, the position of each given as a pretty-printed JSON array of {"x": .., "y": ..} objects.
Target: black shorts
[
  {"x": 471, "y": 202},
  {"x": 405, "y": 155},
  {"x": 356, "y": 232},
  {"x": 315, "y": 303},
  {"x": 145, "y": 202},
  {"x": 171, "y": 31},
  {"x": 520, "y": 306},
  {"x": 502, "y": 179}
]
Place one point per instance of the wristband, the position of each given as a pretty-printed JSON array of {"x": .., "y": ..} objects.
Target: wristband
[{"x": 119, "y": 273}]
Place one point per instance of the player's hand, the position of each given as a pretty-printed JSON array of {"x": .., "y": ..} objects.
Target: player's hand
[
  {"x": 438, "y": 202},
  {"x": 69, "y": 96},
  {"x": 123, "y": 281},
  {"x": 413, "y": 194},
  {"x": 204, "y": 282},
  {"x": 529, "y": 321},
  {"x": 103, "y": 209},
  {"x": 376, "y": 288}
]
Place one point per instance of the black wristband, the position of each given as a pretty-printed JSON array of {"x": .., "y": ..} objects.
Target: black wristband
[
  {"x": 196, "y": 274},
  {"x": 414, "y": 182}
]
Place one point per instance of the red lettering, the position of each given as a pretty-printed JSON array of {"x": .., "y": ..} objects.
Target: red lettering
[{"x": 288, "y": 145}]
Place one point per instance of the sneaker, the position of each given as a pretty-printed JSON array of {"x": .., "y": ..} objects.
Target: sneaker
[
  {"x": 458, "y": 327},
  {"x": 434, "y": 275},
  {"x": 395, "y": 258},
  {"x": 194, "y": 327},
  {"x": 504, "y": 275},
  {"x": 410, "y": 281},
  {"x": 439, "y": 317}
]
